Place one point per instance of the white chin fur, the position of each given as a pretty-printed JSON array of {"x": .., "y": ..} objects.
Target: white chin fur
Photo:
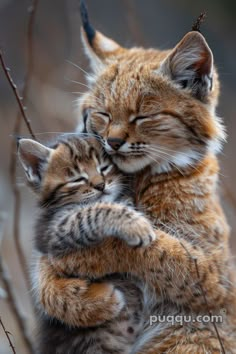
[
  {"x": 131, "y": 165},
  {"x": 180, "y": 160}
]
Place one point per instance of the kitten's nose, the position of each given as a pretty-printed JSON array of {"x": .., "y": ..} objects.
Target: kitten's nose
[
  {"x": 100, "y": 187},
  {"x": 115, "y": 143}
]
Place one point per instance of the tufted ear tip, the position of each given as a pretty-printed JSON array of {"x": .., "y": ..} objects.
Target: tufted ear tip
[
  {"x": 87, "y": 28},
  {"x": 98, "y": 47}
]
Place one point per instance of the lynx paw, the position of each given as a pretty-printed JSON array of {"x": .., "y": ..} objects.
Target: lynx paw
[{"x": 140, "y": 233}]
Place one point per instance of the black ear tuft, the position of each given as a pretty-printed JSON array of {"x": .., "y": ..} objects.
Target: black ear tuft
[
  {"x": 88, "y": 28},
  {"x": 197, "y": 24}
]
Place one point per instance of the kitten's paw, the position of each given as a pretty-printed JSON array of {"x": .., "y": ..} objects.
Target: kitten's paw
[
  {"x": 140, "y": 233},
  {"x": 108, "y": 301},
  {"x": 118, "y": 300}
]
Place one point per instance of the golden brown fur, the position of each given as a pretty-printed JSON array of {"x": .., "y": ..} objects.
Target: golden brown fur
[{"x": 176, "y": 175}]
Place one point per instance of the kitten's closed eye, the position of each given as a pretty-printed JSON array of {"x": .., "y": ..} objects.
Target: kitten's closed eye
[
  {"x": 104, "y": 168},
  {"x": 77, "y": 180}
]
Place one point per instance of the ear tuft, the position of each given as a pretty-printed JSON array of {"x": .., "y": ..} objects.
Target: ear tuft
[
  {"x": 98, "y": 47},
  {"x": 33, "y": 157},
  {"x": 197, "y": 24},
  {"x": 88, "y": 28},
  {"x": 190, "y": 65}
]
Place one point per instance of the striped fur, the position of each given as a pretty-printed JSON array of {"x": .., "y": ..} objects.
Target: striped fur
[{"x": 82, "y": 200}]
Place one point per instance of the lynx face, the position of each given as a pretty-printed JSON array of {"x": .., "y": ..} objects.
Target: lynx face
[
  {"x": 152, "y": 107},
  {"x": 74, "y": 170}
]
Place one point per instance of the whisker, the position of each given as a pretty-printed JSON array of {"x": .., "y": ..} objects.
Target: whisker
[
  {"x": 165, "y": 159},
  {"x": 78, "y": 67},
  {"x": 77, "y": 82}
]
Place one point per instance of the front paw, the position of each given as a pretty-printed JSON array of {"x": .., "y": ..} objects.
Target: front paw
[
  {"x": 112, "y": 303},
  {"x": 140, "y": 233}
]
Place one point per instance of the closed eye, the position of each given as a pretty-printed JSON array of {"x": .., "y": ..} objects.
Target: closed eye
[
  {"x": 106, "y": 169},
  {"x": 104, "y": 114},
  {"x": 80, "y": 179},
  {"x": 76, "y": 182},
  {"x": 135, "y": 119},
  {"x": 139, "y": 118}
]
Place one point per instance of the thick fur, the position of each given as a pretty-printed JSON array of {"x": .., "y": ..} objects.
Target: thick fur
[
  {"x": 159, "y": 107},
  {"x": 75, "y": 183}
]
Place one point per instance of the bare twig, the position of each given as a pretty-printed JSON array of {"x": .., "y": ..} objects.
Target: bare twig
[
  {"x": 16, "y": 132},
  {"x": 7, "y": 333},
  {"x": 197, "y": 24},
  {"x": 7, "y": 284},
  {"x": 194, "y": 259},
  {"x": 13, "y": 306},
  {"x": 16, "y": 93}
]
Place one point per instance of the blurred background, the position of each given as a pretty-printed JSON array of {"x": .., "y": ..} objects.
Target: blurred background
[{"x": 51, "y": 106}]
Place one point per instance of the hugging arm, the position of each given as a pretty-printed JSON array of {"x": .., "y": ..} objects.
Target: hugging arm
[
  {"x": 173, "y": 267},
  {"x": 80, "y": 302},
  {"x": 87, "y": 226}
]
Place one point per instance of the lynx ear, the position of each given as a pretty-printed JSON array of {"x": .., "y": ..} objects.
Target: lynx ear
[
  {"x": 190, "y": 64},
  {"x": 33, "y": 157},
  {"x": 98, "y": 47}
]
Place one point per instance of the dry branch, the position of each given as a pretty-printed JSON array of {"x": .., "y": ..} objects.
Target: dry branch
[
  {"x": 14, "y": 308},
  {"x": 7, "y": 333},
  {"x": 16, "y": 93},
  {"x": 16, "y": 132},
  {"x": 7, "y": 284}
]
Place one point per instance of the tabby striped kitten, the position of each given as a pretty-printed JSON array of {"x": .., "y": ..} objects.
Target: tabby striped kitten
[
  {"x": 82, "y": 199},
  {"x": 155, "y": 114}
]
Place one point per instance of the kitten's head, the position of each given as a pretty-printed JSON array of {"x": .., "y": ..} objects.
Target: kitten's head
[
  {"x": 151, "y": 106},
  {"x": 72, "y": 170}
]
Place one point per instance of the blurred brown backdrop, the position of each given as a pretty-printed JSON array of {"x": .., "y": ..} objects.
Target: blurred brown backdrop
[{"x": 51, "y": 105}]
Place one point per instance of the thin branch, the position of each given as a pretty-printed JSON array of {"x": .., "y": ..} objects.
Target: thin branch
[
  {"x": 7, "y": 284},
  {"x": 7, "y": 333},
  {"x": 194, "y": 259},
  {"x": 197, "y": 24},
  {"x": 13, "y": 306},
  {"x": 16, "y": 93},
  {"x": 16, "y": 132}
]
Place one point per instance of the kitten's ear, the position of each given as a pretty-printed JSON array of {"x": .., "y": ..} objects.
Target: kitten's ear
[
  {"x": 190, "y": 64},
  {"x": 34, "y": 158},
  {"x": 98, "y": 47}
]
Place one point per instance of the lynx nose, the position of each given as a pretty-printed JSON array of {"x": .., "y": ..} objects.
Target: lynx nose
[
  {"x": 100, "y": 187},
  {"x": 115, "y": 143}
]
